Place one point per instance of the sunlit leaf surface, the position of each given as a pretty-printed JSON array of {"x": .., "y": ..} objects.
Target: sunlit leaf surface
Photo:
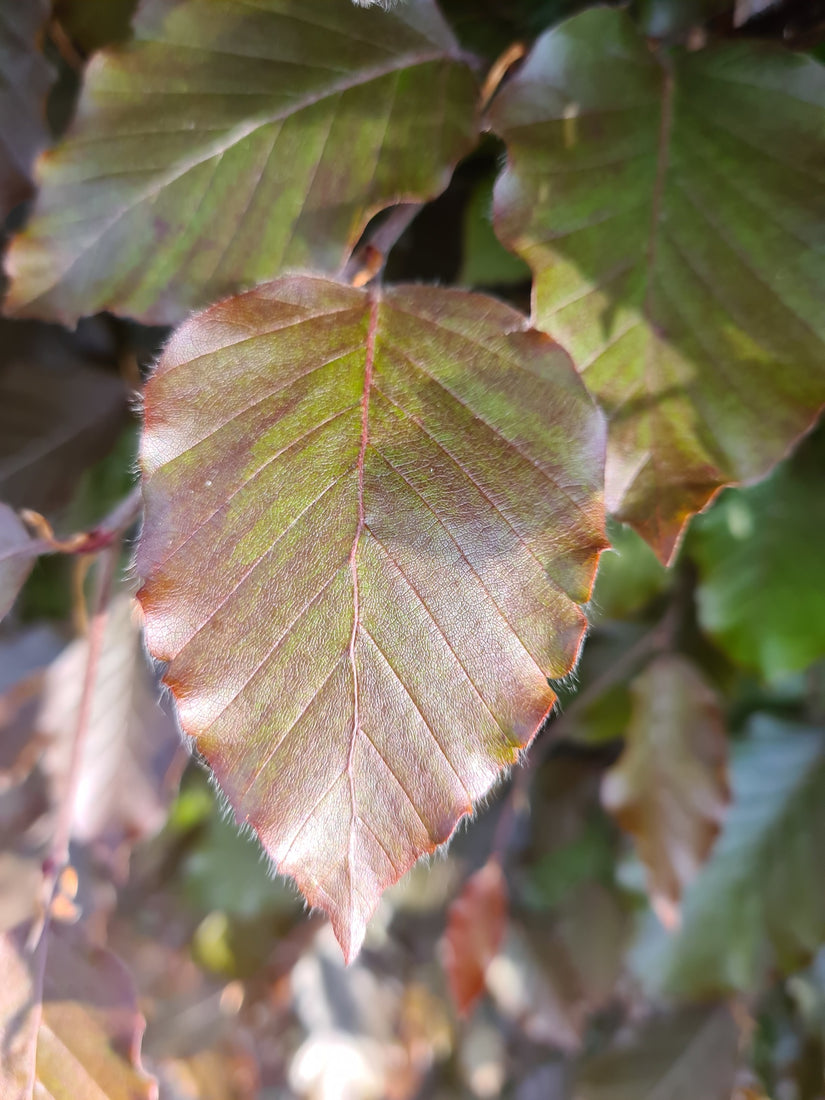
[
  {"x": 231, "y": 140},
  {"x": 371, "y": 518},
  {"x": 672, "y": 210}
]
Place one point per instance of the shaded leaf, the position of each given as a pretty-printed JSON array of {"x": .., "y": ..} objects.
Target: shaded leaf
[
  {"x": 476, "y": 923},
  {"x": 556, "y": 969},
  {"x": 760, "y": 900},
  {"x": 123, "y": 785},
  {"x": 228, "y": 142},
  {"x": 18, "y": 551},
  {"x": 674, "y": 19},
  {"x": 694, "y": 1054},
  {"x": 58, "y": 415},
  {"x": 82, "y": 1038},
  {"x": 671, "y": 209},
  {"x": 370, "y": 521},
  {"x": 490, "y": 27},
  {"x": 486, "y": 262},
  {"x": 759, "y": 553},
  {"x": 628, "y": 578},
  {"x": 669, "y": 788},
  {"x": 25, "y": 77},
  {"x": 92, "y": 24}
]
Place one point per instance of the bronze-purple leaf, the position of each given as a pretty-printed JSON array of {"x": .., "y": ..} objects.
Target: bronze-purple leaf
[
  {"x": 371, "y": 517},
  {"x": 231, "y": 141},
  {"x": 25, "y": 77},
  {"x": 18, "y": 551},
  {"x": 671, "y": 208},
  {"x": 476, "y": 925},
  {"x": 69, "y": 1022}
]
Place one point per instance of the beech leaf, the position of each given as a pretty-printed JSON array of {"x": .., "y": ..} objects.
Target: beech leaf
[
  {"x": 80, "y": 1035},
  {"x": 229, "y": 141},
  {"x": 18, "y": 551},
  {"x": 691, "y": 1054},
  {"x": 669, "y": 787},
  {"x": 476, "y": 923},
  {"x": 59, "y": 414},
  {"x": 130, "y": 742},
  {"x": 759, "y": 902},
  {"x": 371, "y": 517},
  {"x": 671, "y": 207},
  {"x": 759, "y": 553},
  {"x": 25, "y": 77}
]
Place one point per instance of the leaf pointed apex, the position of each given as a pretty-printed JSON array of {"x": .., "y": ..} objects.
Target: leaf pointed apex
[{"x": 367, "y": 537}]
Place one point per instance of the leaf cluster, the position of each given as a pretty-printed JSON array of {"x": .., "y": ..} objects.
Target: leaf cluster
[{"x": 426, "y": 394}]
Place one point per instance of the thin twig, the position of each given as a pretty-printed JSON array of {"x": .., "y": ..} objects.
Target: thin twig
[{"x": 103, "y": 535}]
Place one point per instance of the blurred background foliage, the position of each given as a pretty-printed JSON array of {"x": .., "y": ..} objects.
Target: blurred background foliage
[{"x": 660, "y": 941}]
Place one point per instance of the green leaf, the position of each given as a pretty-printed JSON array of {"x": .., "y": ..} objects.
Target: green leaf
[
  {"x": 671, "y": 207},
  {"x": 93, "y": 24},
  {"x": 25, "y": 78},
  {"x": 760, "y": 900},
  {"x": 628, "y": 578},
  {"x": 692, "y": 1054},
  {"x": 75, "y": 1032},
  {"x": 760, "y": 558},
  {"x": 230, "y": 141},
  {"x": 669, "y": 788},
  {"x": 370, "y": 520},
  {"x": 487, "y": 263}
]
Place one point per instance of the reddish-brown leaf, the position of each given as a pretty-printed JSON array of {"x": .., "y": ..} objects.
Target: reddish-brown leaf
[
  {"x": 476, "y": 923},
  {"x": 371, "y": 519},
  {"x": 669, "y": 788}
]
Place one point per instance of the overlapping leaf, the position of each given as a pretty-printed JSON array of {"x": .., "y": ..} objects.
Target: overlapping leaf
[
  {"x": 760, "y": 900},
  {"x": 130, "y": 741},
  {"x": 672, "y": 208},
  {"x": 691, "y": 1054},
  {"x": 74, "y": 1032},
  {"x": 476, "y": 923},
  {"x": 231, "y": 140},
  {"x": 669, "y": 788},
  {"x": 25, "y": 77},
  {"x": 760, "y": 557},
  {"x": 370, "y": 520},
  {"x": 18, "y": 551},
  {"x": 58, "y": 414}
]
